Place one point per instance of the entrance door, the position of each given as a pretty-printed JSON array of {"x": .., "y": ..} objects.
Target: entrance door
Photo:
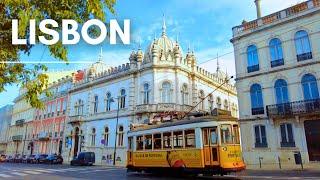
[
  {"x": 312, "y": 130},
  {"x": 210, "y": 146},
  {"x": 76, "y": 142}
]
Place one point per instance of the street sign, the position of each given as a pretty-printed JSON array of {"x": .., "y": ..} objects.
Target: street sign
[{"x": 103, "y": 141}]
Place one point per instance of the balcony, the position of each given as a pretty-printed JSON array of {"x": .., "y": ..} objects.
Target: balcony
[
  {"x": 257, "y": 111},
  {"x": 76, "y": 119},
  {"x": 20, "y": 122},
  {"x": 253, "y": 68},
  {"x": 277, "y": 17},
  {"x": 304, "y": 56},
  {"x": 305, "y": 107},
  {"x": 162, "y": 107},
  {"x": 43, "y": 136},
  {"x": 17, "y": 138},
  {"x": 276, "y": 63}
]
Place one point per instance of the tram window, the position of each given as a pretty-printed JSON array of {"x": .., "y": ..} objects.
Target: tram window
[
  {"x": 157, "y": 141},
  {"x": 226, "y": 134},
  {"x": 205, "y": 137},
  {"x": 213, "y": 136},
  {"x": 236, "y": 134},
  {"x": 189, "y": 137},
  {"x": 130, "y": 143},
  {"x": 139, "y": 142},
  {"x": 178, "y": 139},
  {"x": 167, "y": 140},
  {"x": 148, "y": 141}
]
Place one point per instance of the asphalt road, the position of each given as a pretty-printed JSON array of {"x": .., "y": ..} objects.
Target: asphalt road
[{"x": 43, "y": 172}]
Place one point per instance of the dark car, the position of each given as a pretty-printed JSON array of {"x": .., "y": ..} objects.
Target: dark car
[
  {"x": 40, "y": 158},
  {"x": 84, "y": 158},
  {"x": 54, "y": 159},
  {"x": 17, "y": 158},
  {"x": 30, "y": 158}
]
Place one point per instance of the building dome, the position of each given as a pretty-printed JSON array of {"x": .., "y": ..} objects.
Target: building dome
[{"x": 163, "y": 45}]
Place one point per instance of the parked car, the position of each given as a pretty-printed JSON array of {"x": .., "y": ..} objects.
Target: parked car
[
  {"x": 17, "y": 158},
  {"x": 31, "y": 158},
  {"x": 24, "y": 159},
  {"x": 54, "y": 159},
  {"x": 3, "y": 158},
  {"x": 84, "y": 158},
  {"x": 9, "y": 159},
  {"x": 40, "y": 158}
]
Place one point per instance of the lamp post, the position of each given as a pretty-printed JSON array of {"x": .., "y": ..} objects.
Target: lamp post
[{"x": 115, "y": 141}]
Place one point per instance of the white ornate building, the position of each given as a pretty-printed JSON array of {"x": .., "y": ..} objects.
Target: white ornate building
[
  {"x": 277, "y": 63},
  {"x": 156, "y": 85}
]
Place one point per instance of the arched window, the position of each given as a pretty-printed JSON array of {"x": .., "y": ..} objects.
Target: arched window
[
  {"x": 226, "y": 104},
  {"x": 276, "y": 52},
  {"x": 108, "y": 101},
  {"x": 253, "y": 59},
  {"x": 281, "y": 89},
  {"x": 120, "y": 137},
  {"x": 256, "y": 99},
  {"x": 219, "y": 102},
  {"x": 184, "y": 94},
  {"x": 93, "y": 137},
  {"x": 106, "y": 136},
  {"x": 201, "y": 98},
  {"x": 303, "y": 47},
  {"x": 146, "y": 93},
  {"x": 95, "y": 104},
  {"x": 122, "y": 98},
  {"x": 166, "y": 92},
  {"x": 310, "y": 87},
  {"x": 210, "y": 102}
]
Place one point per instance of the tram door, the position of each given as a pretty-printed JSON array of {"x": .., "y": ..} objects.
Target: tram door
[{"x": 210, "y": 146}]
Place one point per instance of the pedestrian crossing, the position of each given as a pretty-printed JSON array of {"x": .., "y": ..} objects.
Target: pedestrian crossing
[{"x": 21, "y": 172}]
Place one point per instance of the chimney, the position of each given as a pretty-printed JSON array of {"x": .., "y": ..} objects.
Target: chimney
[{"x": 258, "y": 6}]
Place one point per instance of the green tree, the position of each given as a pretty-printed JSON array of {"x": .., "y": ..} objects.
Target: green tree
[{"x": 34, "y": 79}]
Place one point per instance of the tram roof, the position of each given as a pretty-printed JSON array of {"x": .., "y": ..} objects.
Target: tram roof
[{"x": 188, "y": 120}]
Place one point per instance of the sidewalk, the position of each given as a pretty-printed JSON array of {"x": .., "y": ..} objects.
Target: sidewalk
[{"x": 312, "y": 166}]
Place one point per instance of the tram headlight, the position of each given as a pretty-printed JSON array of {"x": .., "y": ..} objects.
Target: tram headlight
[{"x": 224, "y": 148}]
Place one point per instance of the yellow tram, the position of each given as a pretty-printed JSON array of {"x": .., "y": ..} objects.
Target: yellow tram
[{"x": 207, "y": 145}]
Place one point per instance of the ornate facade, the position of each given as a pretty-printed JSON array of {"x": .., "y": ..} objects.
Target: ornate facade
[{"x": 158, "y": 84}]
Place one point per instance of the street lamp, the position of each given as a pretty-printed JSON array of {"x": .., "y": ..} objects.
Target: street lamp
[{"x": 115, "y": 141}]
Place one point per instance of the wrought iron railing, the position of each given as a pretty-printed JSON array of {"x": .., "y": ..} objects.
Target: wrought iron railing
[{"x": 294, "y": 108}]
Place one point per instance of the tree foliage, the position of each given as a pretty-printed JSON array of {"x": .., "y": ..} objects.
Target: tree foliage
[{"x": 34, "y": 79}]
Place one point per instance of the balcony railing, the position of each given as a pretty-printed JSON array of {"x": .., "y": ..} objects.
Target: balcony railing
[
  {"x": 17, "y": 138},
  {"x": 294, "y": 108},
  {"x": 253, "y": 68},
  {"x": 304, "y": 56},
  {"x": 76, "y": 118},
  {"x": 276, "y": 63},
  {"x": 257, "y": 111},
  {"x": 20, "y": 122},
  {"x": 161, "y": 107}
]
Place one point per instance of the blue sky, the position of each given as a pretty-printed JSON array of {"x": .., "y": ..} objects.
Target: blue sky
[{"x": 205, "y": 25}]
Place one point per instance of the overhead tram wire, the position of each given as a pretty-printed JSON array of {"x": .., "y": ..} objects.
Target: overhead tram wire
[{"x": 226, "y": 81}]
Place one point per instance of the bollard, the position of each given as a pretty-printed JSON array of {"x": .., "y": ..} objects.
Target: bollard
[
  {"x": 279, "y": 162},
  {"x": 260, "y": 158}
]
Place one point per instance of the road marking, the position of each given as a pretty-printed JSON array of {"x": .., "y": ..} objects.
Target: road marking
[
  {"x": 19, "y": 174},
  {"x": 32, "y": 172},
  {"x": 42, "y": 170},
  {"x": 5, "y": 175}
]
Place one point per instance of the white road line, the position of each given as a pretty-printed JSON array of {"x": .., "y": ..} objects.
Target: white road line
[
  {"x": 32, "y": 172},
  {"x": 42, "y": 170},
  {"x": 19, "y": 174},
  {"x": 5, "y": 175}
]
